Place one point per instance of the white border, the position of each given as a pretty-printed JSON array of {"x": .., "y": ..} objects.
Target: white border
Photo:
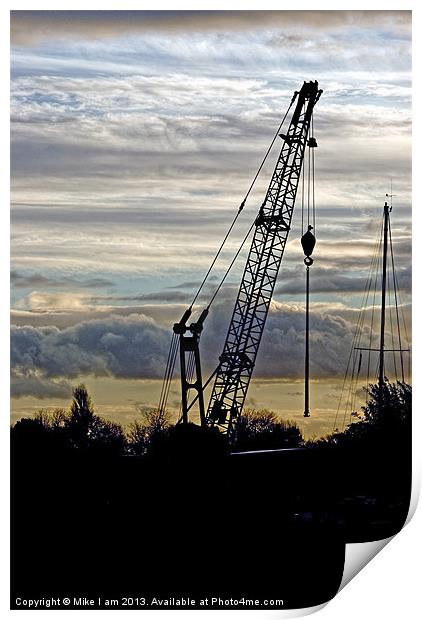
[{"x": 389, "y": 586}]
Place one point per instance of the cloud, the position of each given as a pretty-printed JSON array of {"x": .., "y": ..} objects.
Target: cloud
[
  {"x": 44, "y": 301},
  {"x": 170, "y": 296},
  {"x": 135, "y": 347},
  {"x": 163, "y": 314},
  {"x": 131, "y": 347},
  {"x": 204, "y": 154},
  {"x": 29, "y": 382},
  {"x": 134, "y": 139},
  {"x": 135, "y": 171},
  {"x": 30, "y": 280},
  {"x": 29, "y": 27},
  {"x": 282, "y": 348},
  {"x": 334, "y": 281}
]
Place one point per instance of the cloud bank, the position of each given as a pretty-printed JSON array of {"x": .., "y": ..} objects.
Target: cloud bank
[
  {"x": 28, "y": 27},
  {"x": 135, "y": 136},
  {"x": 44, "y": 359}
]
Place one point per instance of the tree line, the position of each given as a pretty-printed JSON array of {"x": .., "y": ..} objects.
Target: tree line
[{"x": 385, "y": 416}]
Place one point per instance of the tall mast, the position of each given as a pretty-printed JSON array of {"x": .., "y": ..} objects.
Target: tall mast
[{"x": 384, "y": 286}]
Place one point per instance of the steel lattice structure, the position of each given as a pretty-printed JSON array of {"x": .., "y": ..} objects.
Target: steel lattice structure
[{"x": 256, "y": 288}]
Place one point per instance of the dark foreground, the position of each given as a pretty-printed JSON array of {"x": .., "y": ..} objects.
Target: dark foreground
[{"x": 187, "y": 526}]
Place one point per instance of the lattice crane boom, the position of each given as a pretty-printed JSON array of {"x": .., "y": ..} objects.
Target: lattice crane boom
[{"x": 257, "y": 285}]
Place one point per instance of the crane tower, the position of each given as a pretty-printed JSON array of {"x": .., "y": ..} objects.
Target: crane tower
[{"x": 272, "y": 227}]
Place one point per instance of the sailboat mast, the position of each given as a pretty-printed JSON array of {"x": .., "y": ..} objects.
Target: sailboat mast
[{"x": 384, "y": 286}]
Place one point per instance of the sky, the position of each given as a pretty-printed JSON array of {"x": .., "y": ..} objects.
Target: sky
[{"x": 134, "y": 138}]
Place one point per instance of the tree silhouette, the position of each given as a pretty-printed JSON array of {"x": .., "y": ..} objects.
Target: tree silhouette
[
  {"x": 52, "y": 420},
  {"x": 260, "y": 430},
  {"x": 386, "y": 416},
  {"x": 82, "y": 409},
  {"x": 156, "y": 421},
  {"x": 145, "y": 433},
  {"x": 137, "y": 438},
  {"x": 389, "y": 404},
  {"x": 28, "y": 435},
  {"x": 104, "y": 435},
  {"x": 81, "y": 417},
  {"x": 88, "y": 430},
  {"x": 45, "y": 433}
]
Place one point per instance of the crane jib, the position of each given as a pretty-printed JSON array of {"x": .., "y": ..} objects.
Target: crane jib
[{"x": 272, "y": 227}]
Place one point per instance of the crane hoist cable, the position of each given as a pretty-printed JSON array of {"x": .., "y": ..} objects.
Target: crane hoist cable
[
  {"x": 217, "y": 290},
  {"x": 242, "y": 204},
  {"x": 308, "y": 242},
  {"x": 168, "y": 375},
  {"x": 313, "y": 176},
  {"x": 166, "y": 370},
  {"x": 211, "y": 301},
  {"x": 308, "y": 203}
]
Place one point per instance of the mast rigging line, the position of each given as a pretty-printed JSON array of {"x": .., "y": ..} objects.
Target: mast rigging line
[
  {"x": 240, "y": 209},
  {"x": 371, "y": 331},
  {"x": 392, "y": 310},
  {"x": 395, "y": 284},
  {"x": 373, "y": 268},
  {"x": 400, "y": 303}
]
